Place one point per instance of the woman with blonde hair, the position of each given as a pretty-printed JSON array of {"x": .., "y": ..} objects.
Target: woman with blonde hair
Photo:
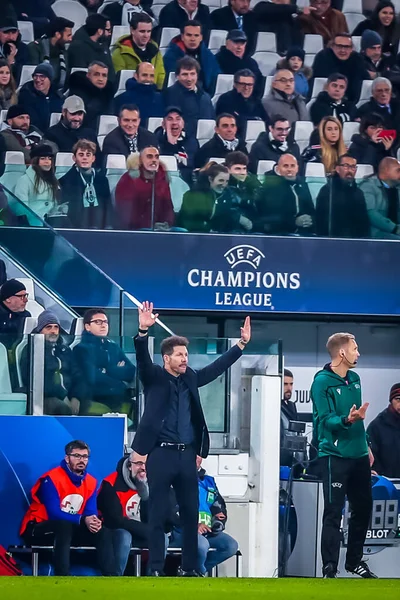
[
  {"x": 331, "y": 144},
  {"x": 8, "y": 95}
]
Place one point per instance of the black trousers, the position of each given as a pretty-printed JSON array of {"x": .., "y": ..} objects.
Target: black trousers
[
  {"x": 343, "y": 477},
  {"x": 168, "y": 467},
  {"x": 64, "y": 534}
]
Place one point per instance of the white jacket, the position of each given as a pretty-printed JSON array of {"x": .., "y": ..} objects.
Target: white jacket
[{"x": 40, "y": 203}]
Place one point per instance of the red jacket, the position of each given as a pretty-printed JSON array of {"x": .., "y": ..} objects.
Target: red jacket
[{"x": 133, "y": 200}]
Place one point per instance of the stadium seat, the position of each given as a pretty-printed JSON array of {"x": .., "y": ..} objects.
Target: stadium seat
[
  {"x": 107, "y": 123},
  {"x": 313, "y": 43},
  {"x": 352, "y": 6},
  {"x": 205, "y": 130},
  {"x": 167, "y": 34},
  {"x": 3, "y": 115},
  {"x": 356, "y": 42},
  {"x": 26, "y": 74},
  {"x": 115, "y": 168},
  {"x": 212, "y": 4},
  {"x": 365, "y": 92},
  {"x": 264, "y": 166},
  {"x": 349, "y": 129},
  {"x": 54, "y": 118},
  {"x": 266, "y": 61},
  {"x": 314, "y": 185},
  {"x": 253, "y": 130},
  {"x": 100, "y": 141},
  {"x": 169, "y": 163},
  {"x": 396, "y": 5},
  {"x": 32, "y": 305},
  {"x": 268, "y": 85},
  {"x": 315, "y": 170},
  {"x": 14, "y": 168},
  {"x": 156, "y": 8},
  {"x": 29, "y": 324},
  {"x": 118, "y": 31},
  {"x": 26, "y": 30},
  {"x": 302, "y": 3},
  {"x": 364, "y": 171},
  {"x": 64, "y": 162},
  {"x": 10, "y": 403},
  {"x": 224, "y": 84},
  {"x": 353, "y": 19},
  {"x": 171, "y": 79},
  {"x": 154, "y": 123},
  {"x": 217, "y": 39},
  {"x": 125, "y": 74},
  {"x": 75, "y": 69},
  {"x": 318, "y": 86},
  {"x": 70, "y": 9},
  {"x": 178, "y": 188},
  {"x": 309, "y": 59},
  {"x": 217, "y": 159},
  {"x": 302, "y": 132},
  {"x": 266, "y": 42}
]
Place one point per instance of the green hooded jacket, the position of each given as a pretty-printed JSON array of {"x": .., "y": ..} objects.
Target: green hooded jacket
[{"x": 332, "y": 397}]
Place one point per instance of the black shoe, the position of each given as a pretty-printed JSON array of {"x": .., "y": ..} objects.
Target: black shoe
[
  {"x": 362, "y": 569},
  {"x": 329, "y": 571},
  {"x": 157, "y": 573},
  {"x": 182, "y": 573}
]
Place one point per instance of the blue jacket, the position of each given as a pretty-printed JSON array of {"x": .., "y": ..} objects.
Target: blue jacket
[
  {"x": 40, "y": 106},
  {"x": 210, "y": 68},
  {"x": 210, "y": 500},
  {"x": 147, "y": 97},
  {"x": 195, "y": 105}
]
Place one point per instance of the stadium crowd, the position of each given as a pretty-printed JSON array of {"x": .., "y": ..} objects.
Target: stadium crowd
[{"x": 268, "y": 118}]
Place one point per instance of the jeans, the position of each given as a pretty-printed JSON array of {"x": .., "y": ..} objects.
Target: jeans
[
  {"x": 122, "y": 543},
  {"x": 223, "y": 544}
]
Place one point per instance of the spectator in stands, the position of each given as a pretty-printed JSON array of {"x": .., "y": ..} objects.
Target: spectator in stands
[
  {"x": 190, "y": 43},
  {"x": 384, "y": 437},
  {"x": 128, "y": 137},
  {"x": 331, "y": 145},
  {"x": 375, "y": 61},
  {"x": 177, "y": 12},
  {"x": 61, "y": 376},
  {"x": 146, "y": 179},
  {"x": 233, "y": 58},
  {"x": 369, "y": 147},
  {"x": 242, "y": 101},
  {"x": 90, "y": 44},
  {"x": 38, "y": 12},
  {"x": 13, "y": 301},
  {"x": 123, "y": 504},
  {"x": 212, "y": 520},
  {"x": 288, "y": 413},
  {"x": 341, "y": 58},
  {"x": 106, "y": 371},
  {"x": 270, "y": 145},
  {"x": 224, "y": 140},
  {"x": 173, "y": 141},
  {"x": 194, "y": 102},
  {"x": 91, "y": 6},
  {"x": 137, "y": 47},
  {"x": 121, "y": 12},
  {"x": 40, "y": 96},
  {"x": 382, "y": 198},
  {"x": 70, "y": 127},
  {"x": 142, "y": 91},
  {"x": 96, "y": 91},
  {"x": 382, "y": 103},
  {"x": 340, "y": 209},
  {"x": 38, "y": 188},
  {"x": 52, "y": 48},
  {"x": 246, "y": 184},
  {"x": 85, "y": 192},
  {"x": 383, "y": 20},
  {"x": 332, "y": 101},
  {"x": 283, "y": 100},
  {"x": 18, "y": 134},
  {"x": 8, "y": 95},
  {"x": 323, "y": 20},
  {"x": 237, "y": 15},
  {"x": 63, "y": 511},
  {"x": 12, "y": 49},
  {"x": 294, "y": 62},
  {"x": 284, "y": 202},
  {"x": 281, "y": 17}
]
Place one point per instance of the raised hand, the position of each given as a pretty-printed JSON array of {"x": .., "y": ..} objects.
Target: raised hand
[
  {"x": 357, "y": 414},
  {"x": 146, "y": 316},
  {"x": 245, "y": 331}
]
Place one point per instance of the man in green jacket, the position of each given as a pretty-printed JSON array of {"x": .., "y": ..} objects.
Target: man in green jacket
[{"x": 344, "y": 458}]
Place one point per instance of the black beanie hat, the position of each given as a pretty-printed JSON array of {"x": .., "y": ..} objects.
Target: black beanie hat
[
  {"x": 295, "y": 51},
  {"x": 394, "y": 392},
  {"x": 16, "y": 111},
  {"x": 10, "y": 288},
  {"x": 40, "y": 150}
]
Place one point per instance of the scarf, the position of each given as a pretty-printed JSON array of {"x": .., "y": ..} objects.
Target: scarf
[
  {"x": 132, "y": 143},
  {"x": 230, "y": 145},
  {"x": 89, "y": 194},
  {"x": 281, "y": 146}
]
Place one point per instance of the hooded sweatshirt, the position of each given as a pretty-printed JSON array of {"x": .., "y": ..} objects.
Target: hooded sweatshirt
[
  {"x": 325, "y": 106},
  {"x": 332, "y": 397}
]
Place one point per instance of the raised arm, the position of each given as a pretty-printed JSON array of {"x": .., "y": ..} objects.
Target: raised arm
[{"x": 145, "y": 365}]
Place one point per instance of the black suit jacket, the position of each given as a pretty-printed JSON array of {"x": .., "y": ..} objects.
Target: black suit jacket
[
  {"x": 157, "y": 396},
  {"x": 223, "y": 18}
]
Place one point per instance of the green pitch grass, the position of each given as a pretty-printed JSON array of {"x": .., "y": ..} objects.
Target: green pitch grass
[{"x": 98, "y": 588}]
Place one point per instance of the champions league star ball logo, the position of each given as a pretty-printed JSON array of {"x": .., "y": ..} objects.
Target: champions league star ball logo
[
  {"x": 243, "y": 282},
  {"x": 71, "y": 504}
]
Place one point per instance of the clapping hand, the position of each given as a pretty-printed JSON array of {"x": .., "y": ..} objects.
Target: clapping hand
[
  {"x": 357, "y": 414},
  {"x": 146, "y": 317}
]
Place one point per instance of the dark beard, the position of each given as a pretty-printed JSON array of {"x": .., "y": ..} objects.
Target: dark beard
[{"x": 142, "y": 488}]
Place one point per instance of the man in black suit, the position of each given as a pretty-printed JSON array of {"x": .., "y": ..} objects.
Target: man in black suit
[
  {"x": 172, "y": 432},
  {"x": 237, "y": 15}
]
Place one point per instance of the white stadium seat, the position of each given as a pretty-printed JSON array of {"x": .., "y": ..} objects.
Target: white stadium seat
[
  {"x": 26, "y": 74},
  {"x": 205, "y": 130},
  {"x": 253, "y": 129},
  {"x": 266, "y": 61},
  {"x": 217, "y": 159},
  {"x": 171, "y": 79},
  {"x": 353, "y": 19},
  {"x": 302, "y": 132},
  {"x": 166, "y": 36},
  {"x": 356, "y": 42},
  {"x": 266, "y": 42},
  {"x": 125, "y": 74},
  {"x": 318, "y": 86},
  {"x": 75, "y": 69},
  {"x": 64, "y": 162},
  {"x": 268, "y": 85},
  {"x": 14, "y": 158},
  {"x": 315, "y": 170},
  {"x": 26, "y": 30},
  {"x": 313, "y": 43},
  {"x": 11, "y": 403},
  {"x": 118, "y": 31},
  {"x": 154, "y": 123},
  {"x": 116, "y": 161},
  {"x": 70, "y": 9},
  {"x": 217, "y": 39},
  {"x": 364, "y": 171},
  {"x": 107, "y": 123},
  {"x": 349, "y": 129},
  {"x": 54, "y": 118},
  {"x": 352, "y": 6},
  {"x": 365, "y": 92},
  {"x": 264, "y": 166},
  {"x": 169, "y": 163}
]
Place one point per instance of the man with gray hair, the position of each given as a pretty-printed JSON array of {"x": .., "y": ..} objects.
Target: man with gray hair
[
  {"x": 96, "y": 91},
  {"x": 382, "y": 103},
  {"x": 283, "y": 100}
]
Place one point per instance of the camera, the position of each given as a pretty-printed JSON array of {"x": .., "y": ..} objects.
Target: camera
[{"x": 294, "y": 439}]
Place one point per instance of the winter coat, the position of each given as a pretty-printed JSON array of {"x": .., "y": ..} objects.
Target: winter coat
[
  {"x": 243, "y": 109},
  {"x": 278, "y": 103},
  {"x": 195, "y": 105},
  {"x": 42, "y": 50},
  {"x": 65, "y": 138},
  {"x": 210, "y": 68},
  {"x": 348, "y": 213},
  {"x": 7, "y": 98},
  {"x": 133, "y": 200},
  {"x": 367, "y": 152},
  {"x": 230, "y": 64},
  {"x": 173, "y": 15},
  {"x": 79, "y": 216},
  {"x": 377, "y": 203},
  {"x": 224, "y": 18},
  {"x": 330, "y": 24},
  {"x": 301, "y": 78},
  {"x": 184, "y": 151},
  {"x": 83, "y": 51},
  {"x": 11, "y": 325},
  {"x": 41, "y": 202},
  {"x": 280, "y": 202},
  {"x": 215, "y": 148},
  {"x": 390, "y": 119},
  {"x": 383, "y": 67},
  {"x": 325, "y": 106},
  {"x": 103, "y": 380},
  {"x": 384, "y": 436},
  {"x": 326, "y": 62},
  {"x": 265, "y": 149},
  {"x": 125, "y": 57},
  {"x": 97, "y": 101},
  {"x": 39, "y": 105},
  {"x": 15, "y": 142},
  {"x": 115, "y": 142},
  {"x": 196, "y": 211},
  {"x": 146, "y": 97}
]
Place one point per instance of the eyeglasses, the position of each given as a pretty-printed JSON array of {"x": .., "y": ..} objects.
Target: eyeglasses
[
  {"x": 99, "y": 322},
  {"x": 348, "y": 167},
  {"x": 286, "y": 79},
  {"x": 138, "y": 463},
  {"x": 282, "y": 129},
  {"x": 344, "y": 46},
  {"x": 245, "y": 85},
  {"x": 24, "y": 296},
  {"x": 80, "y": 456}
]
